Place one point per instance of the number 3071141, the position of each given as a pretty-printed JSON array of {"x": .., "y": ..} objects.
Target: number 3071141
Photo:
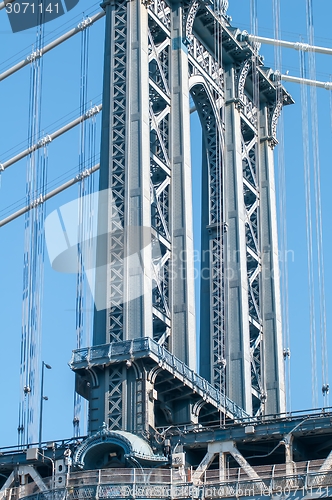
[
  {"x": 23, "y": 14},
  {"x": 22, "y": 8}
]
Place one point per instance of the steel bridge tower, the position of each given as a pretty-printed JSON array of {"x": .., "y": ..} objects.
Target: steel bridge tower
[
  {"x": 148, "y": 406},
  {"x": 138, "y": 374}
]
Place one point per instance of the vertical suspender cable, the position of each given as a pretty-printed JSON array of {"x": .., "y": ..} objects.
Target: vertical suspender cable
[
  {"x": 255, "y": 163},
  {"x": 83, "y": 240},
  {"x": 223, "y": 235},
  {"x": 26, "y": 306},
  {"x": 218, "y": 374},
  {"x": 38, "y": 242},
  {"x": 282, "y": 207},
  {"x": 253, "y": 17},
  {"x": 90, "y": 218},
  {"x": 80, "y": 272},
  {"x": 307, "y": 186},
  {"x": 32, "y": 265},
  {"x": 220, "y": 236},
  {"x": 318, "y": 205}
]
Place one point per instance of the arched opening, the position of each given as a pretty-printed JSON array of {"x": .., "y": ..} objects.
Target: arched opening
[{"x": 208, "y": 232}]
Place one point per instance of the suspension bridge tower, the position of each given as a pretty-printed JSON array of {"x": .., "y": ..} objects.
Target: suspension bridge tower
[
  {"x": 139, "y": 374},
  {"x": 165, "y": 59}
]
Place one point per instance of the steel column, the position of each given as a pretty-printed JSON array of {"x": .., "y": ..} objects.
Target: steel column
[
  {"x": 183, "y": 296},
  {"x": 123, "y": 274},
  {"x": 237, "y": 319},
  {"x": 273, "y": 368}
]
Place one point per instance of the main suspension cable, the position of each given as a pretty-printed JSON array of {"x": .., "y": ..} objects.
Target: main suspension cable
[
  {"x": 43, "y": 50},
  {"x": 59, "y": 122},
  {"x": 41, "y": 199},
  {"x": 20, "y": 203},
  {"x": 50, "y": 137}
]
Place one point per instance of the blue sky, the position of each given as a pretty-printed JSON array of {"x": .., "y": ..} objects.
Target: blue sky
[{"x": 61, "y": 84}]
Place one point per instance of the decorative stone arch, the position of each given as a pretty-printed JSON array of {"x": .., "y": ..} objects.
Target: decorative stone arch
[
  {"x": 208, "y": 101},
  {"x": 94, "y": 376}
]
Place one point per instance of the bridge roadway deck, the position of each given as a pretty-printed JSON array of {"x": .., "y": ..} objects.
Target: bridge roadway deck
[
  {"x": 308, "y": 482},
  {"x": 261, "y": 442},
  {"x": 311, "y": 433}
]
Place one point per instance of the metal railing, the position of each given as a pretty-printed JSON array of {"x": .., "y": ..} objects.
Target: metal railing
[
  {"x": 176, "y": 483},
  {"x": 146, "y": 346}
]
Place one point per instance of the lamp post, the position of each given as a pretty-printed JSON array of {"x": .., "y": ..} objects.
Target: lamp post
[
  {"x": 42, "y": 397},
  {"x": 53, "y": 467}
]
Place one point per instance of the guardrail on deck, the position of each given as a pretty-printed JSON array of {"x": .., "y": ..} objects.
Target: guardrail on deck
[{"x": 176, "y": 484}]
